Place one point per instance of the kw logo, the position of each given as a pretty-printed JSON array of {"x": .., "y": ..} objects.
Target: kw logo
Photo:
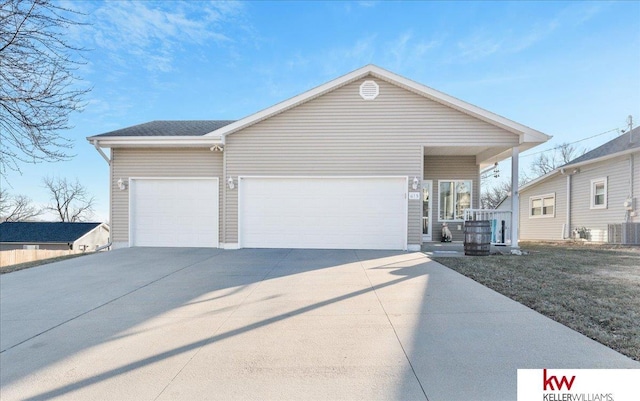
[{"x": 548, "y": 382}]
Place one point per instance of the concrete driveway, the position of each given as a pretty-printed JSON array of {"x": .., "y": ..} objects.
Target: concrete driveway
[{"x": 188, "y": 324}]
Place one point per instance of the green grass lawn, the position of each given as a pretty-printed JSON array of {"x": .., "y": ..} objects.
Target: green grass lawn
[{"x": 594, "y": 290}]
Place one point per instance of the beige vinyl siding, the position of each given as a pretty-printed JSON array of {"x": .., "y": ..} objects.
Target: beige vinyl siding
[
  {"x": 451, "y": 168},
  {"x": 544, "y": 228},
  {"x": 134, "y": 162},
  {"x": 617, "y": 173},
  {"x": 339, "y": 133}
]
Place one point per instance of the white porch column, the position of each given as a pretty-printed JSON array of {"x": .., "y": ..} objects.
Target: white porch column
[{"x": 515, "y": 195}]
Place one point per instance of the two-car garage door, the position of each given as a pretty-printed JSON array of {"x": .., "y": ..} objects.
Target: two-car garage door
[{"x": 323, "y": 212}]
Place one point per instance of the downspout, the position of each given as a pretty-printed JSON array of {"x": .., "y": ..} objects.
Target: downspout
[
  {"x": 222, "y": 242},
  {"x": 567, "y": 230},
  {"x": 106, "y": 246},
  {"x": 628, "y": 216},
  {"x": 104, "y": 156}
]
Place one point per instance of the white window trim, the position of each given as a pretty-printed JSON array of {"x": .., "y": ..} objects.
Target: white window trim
[
  {"x": 593, "y": 193},
  {"x": 542, "y": 197},
  {"x": 454, "y": 182}
]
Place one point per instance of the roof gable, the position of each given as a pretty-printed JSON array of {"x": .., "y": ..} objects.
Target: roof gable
[
  {"x": 43, "y": 232},
  {"x": 526, "y": 134}
]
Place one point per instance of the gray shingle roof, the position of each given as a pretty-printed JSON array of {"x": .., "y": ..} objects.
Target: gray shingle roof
[
  {"x": 43, "y": 232},
  {"x": 170, "y": 128},
  {"x": 629, "y": 140}
]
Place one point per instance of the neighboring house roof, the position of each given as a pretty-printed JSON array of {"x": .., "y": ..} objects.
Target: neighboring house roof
[
  {"x": 628, "y": 142},
  {"x": 43, "y": 232},
  {"x": 623, "y": 143},
  {"x": 503, "y": 200},
  {"x": 170, "y": 128}
]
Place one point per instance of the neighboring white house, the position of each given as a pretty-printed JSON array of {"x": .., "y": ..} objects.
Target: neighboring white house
[
  {"x": 370, "y": 160},
  {"x": 592, "y": 197},
  {"x": 53, "y": 235}
]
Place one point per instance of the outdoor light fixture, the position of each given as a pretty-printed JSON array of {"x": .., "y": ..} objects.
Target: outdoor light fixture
[
  {"x": 122, "y": 185},
  {"x": 415, "y": 183},
  {"x": 496, "y": 171},
  {"x": 230, "y": 183}
]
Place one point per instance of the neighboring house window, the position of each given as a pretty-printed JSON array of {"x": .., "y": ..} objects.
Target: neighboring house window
[
  {"x": 30, "y": 246},
  {"x": 542, "y": 206},
  {"x": 454, "y": 197},
  {"x": 599, "y": 193}
]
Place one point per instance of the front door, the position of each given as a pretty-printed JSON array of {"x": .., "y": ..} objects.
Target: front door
[{"x": 427, "y": 186}]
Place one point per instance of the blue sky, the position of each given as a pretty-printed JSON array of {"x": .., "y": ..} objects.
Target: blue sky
[{"x": 568, "y": 69}]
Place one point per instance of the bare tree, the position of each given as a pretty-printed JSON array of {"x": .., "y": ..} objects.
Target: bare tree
[
  {"x": 17, "y": 207},
  {"x": 69, "y": 199},
  {"x": 38, "y": 85},
  {"x": 491, "y": 197},
  {"x": 550, "y": 160}
]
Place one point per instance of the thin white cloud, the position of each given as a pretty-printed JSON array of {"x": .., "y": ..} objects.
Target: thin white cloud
[
  {"x": 479, "y": 45},
  {"x": 341, "y": 59},
  {"x": 153, "y": 32},
  {"x": 582, "y": 12},
  {"x": 482, "y": 44},
  {"x": 367, "y": 4},
  {"x": 538, "y": 33},
  {"x": 407, "y": 51}
]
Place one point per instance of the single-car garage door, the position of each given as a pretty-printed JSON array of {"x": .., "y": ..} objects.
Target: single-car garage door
[
  {"x": 321, "y": 212},
  {"x": 180, "y": 212}
]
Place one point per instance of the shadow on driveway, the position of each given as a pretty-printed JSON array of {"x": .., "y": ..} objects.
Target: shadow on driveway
[{"x": 157, "y": 323}]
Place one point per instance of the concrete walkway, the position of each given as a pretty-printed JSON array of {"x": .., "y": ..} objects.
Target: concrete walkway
[{"x": 189, "y": 324}]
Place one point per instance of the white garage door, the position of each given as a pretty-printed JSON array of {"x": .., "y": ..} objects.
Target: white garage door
[
  {"x": 173, "y": 212},
  {"x": 331, "y": 213}
]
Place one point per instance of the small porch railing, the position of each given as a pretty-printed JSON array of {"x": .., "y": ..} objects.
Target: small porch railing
[{"x": 500, "y": 223}]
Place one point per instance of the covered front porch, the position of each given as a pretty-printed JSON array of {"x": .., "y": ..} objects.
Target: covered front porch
[{"x": 451, "y": 188}]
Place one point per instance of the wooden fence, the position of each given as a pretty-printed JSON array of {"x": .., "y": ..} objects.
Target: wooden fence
[{"x": 13, "y": 257}]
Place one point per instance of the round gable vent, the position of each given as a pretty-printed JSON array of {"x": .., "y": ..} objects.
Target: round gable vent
[{"x": 369, "y": 90}]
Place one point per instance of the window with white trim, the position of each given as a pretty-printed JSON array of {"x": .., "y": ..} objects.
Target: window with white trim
[
  {"x": 542, "y": 206},
  {"x": 454, "y": 196},
  {"x": 599, "y": 193}
]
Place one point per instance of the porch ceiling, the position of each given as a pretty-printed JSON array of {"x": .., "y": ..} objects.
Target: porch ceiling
[
  {"x": 485, "y": 155},
  {"x": 454, "y": 150}
]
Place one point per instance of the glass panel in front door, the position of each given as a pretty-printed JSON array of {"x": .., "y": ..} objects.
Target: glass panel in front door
[{"x": 426, "y": 209}]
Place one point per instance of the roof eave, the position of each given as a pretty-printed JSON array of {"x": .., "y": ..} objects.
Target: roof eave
[
  {"x": 602, "y": 158},
  {"x": 155, "y": 141},
  {"x": 539, "y": 180}
]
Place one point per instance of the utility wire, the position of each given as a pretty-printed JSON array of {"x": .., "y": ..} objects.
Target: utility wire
[
  {"x": 571, "y": 143},
  {"x": 489, "y": 171}
]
